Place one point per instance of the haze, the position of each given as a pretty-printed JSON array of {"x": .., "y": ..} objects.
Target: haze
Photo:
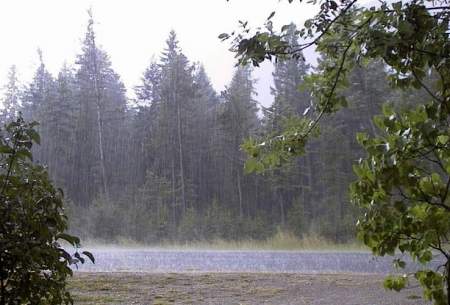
[{"x": 132, "y": 32}]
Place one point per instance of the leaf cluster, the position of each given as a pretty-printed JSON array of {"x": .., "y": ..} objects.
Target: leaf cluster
[
  {"x": 403, "y": 183},
  {"x": 34, "y": 265}
]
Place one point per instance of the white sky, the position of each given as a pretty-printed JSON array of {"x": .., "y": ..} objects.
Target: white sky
[{"x": 133, "y": 31}]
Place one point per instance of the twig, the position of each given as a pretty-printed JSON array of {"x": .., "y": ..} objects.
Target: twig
[{"x": 425, "y": 87}]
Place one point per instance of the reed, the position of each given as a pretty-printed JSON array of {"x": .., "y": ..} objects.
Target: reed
[{"x": 281, "y": 241}]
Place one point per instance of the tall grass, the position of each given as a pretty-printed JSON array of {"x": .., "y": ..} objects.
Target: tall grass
[{"x": 282, "y": 240}]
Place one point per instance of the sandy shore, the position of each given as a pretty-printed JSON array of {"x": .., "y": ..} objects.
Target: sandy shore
[{"x": 236, "y": 289}]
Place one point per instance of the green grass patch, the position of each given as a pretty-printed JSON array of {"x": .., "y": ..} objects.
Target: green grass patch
[{"x": 282, "y": 240}]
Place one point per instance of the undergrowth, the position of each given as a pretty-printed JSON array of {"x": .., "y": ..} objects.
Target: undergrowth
[{"x": 280, "y": 241}]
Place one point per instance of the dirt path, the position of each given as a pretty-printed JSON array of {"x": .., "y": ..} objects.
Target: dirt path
[{"x": 236, "y": 289}]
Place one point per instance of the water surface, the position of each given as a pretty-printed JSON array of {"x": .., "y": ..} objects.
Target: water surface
[{"x": 151, "y": 260}]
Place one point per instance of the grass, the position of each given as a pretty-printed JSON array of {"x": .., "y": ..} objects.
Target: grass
[
  {"x": 235, "y": 288},
  {"x": 281, "y": 241}
]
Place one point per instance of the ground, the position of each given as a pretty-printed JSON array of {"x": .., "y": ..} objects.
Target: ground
[{"x": 236, "y": 289}]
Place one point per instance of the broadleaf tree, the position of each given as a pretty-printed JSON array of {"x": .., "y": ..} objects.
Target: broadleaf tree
[{"x": 403, "y": 182}]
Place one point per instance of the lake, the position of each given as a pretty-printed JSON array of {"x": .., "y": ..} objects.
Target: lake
[{"x": 181, "y": 261}]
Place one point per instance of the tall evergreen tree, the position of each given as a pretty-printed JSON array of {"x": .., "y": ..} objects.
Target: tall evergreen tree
[
  {"x": 199, "y": 136},
  {"x": 239, "y": 120},
  {"x": 290, "y": 98},
  {"x": 146, "y": 121},
  {"x": 291, "y": 181},
  {"x": 176, "y": 89},
  {"x": 11, "y": 99},
  {"x": 60, "y": 119},
  {"x": 102, "y": 107},
  {"x": 38, "y": 98}
]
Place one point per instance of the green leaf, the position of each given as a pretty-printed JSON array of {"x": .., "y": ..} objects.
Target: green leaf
[
  {"x": 79, "y": 258},
  {"x": 442, "y": 139},
  {"x": 73, "y": 240},
  {"x": 90, "y": 256},
  {"x": 361, "y": 137},
  {"x": 4, "y": 149},
  {"x": 396, "y": 283},
  {"x": 397, "y": 6},
  {"x": 426, "y": 257},
  {"x": 24, "y": 154},
  {"x": 398, "y": 263},
  {"x": 34, "y": 135}
]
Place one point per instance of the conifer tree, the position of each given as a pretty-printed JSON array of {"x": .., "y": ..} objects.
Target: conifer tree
[
  {"x": 38, "y": 98},
  {"x": 176, "y": 99},
  {"x": 61, "y": 121},
  {"x": 102, "y": 106},
  {"x": 11, "y": 99},
  {"x": 239, "y": 121}
]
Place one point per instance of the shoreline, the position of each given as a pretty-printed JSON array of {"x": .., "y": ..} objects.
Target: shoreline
[
  {"x": 150, "y": 248},
  {"x": 236, "y": 288}
]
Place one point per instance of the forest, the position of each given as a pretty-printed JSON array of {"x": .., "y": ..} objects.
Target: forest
[
  {"x": 353, "y": 151},
  {"x": 168, "y": 166}
]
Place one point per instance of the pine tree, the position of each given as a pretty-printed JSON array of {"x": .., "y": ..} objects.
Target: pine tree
[
  {"x": 290, "y": 98},
  {"x": 102, "y": 106},
  {"x": 38, "y": 98},
  {"x": 145, "y": 122},
  {"x": 11, "y": 99},
  {"x": 60, "y": 119},
  {"x": 238, "y": 120},
  {"x": 199, "y": 138},
  {"x": 176, "y": 89},
  {"x": 292, "y": 181}
]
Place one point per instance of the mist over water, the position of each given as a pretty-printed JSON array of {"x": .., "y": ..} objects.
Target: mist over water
[{"x": 187, "y": 261}]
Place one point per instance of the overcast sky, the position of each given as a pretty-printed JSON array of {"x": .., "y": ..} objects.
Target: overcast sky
[{"x": 132, "y": 31}]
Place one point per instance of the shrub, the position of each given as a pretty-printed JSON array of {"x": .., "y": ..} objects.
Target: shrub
[{"x": 34, "y": 266}]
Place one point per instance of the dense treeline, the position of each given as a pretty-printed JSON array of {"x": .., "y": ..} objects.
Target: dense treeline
[{"x": 168, "y": 165}]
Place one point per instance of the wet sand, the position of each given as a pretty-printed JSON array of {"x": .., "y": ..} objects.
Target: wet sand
[{"x": 237, "y": 289}]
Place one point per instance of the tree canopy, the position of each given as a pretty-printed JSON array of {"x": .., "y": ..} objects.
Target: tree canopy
[{"x": 403, "y": 182}]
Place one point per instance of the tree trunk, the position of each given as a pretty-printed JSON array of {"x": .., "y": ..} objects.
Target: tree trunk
[
  {"x": 174, "y": 197},
  {"x": 102, "y": 156},
  {"x": 241, "y": 210},
  {"x": 282, "y": 212},
  {"x": 99, "y": 120},
  {"x": 447, "y": 278},
  {"x": 370, "y": 105},
  {"x": 180, "y": 152}
]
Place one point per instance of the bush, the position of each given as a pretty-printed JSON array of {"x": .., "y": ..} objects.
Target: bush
[
  {"x": 33, "y": 265},
  {"x": 256, "y": 228},
  {"x": 296, "y": 219},
  {"x": 218, "y": 222},
  {"x": 105, "y": 219},
  {"x": 190, "y": 227}
]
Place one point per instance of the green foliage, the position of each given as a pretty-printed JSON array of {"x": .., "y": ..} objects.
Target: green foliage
[
  {"x": 279, "y": 149},
  {"x": 105, "y": 219},
  {"x": 396, "y": 283},
  {"x": 403, "y": 183},
  {"x": 403, "y": 186},
  {"x": 150, "y": 217},
  {"x": 218, "y": 221},
  {"x": 34, "y": 266},
  {"x": 190, "y": 226},
  {"x": 296, "y": 219}
]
